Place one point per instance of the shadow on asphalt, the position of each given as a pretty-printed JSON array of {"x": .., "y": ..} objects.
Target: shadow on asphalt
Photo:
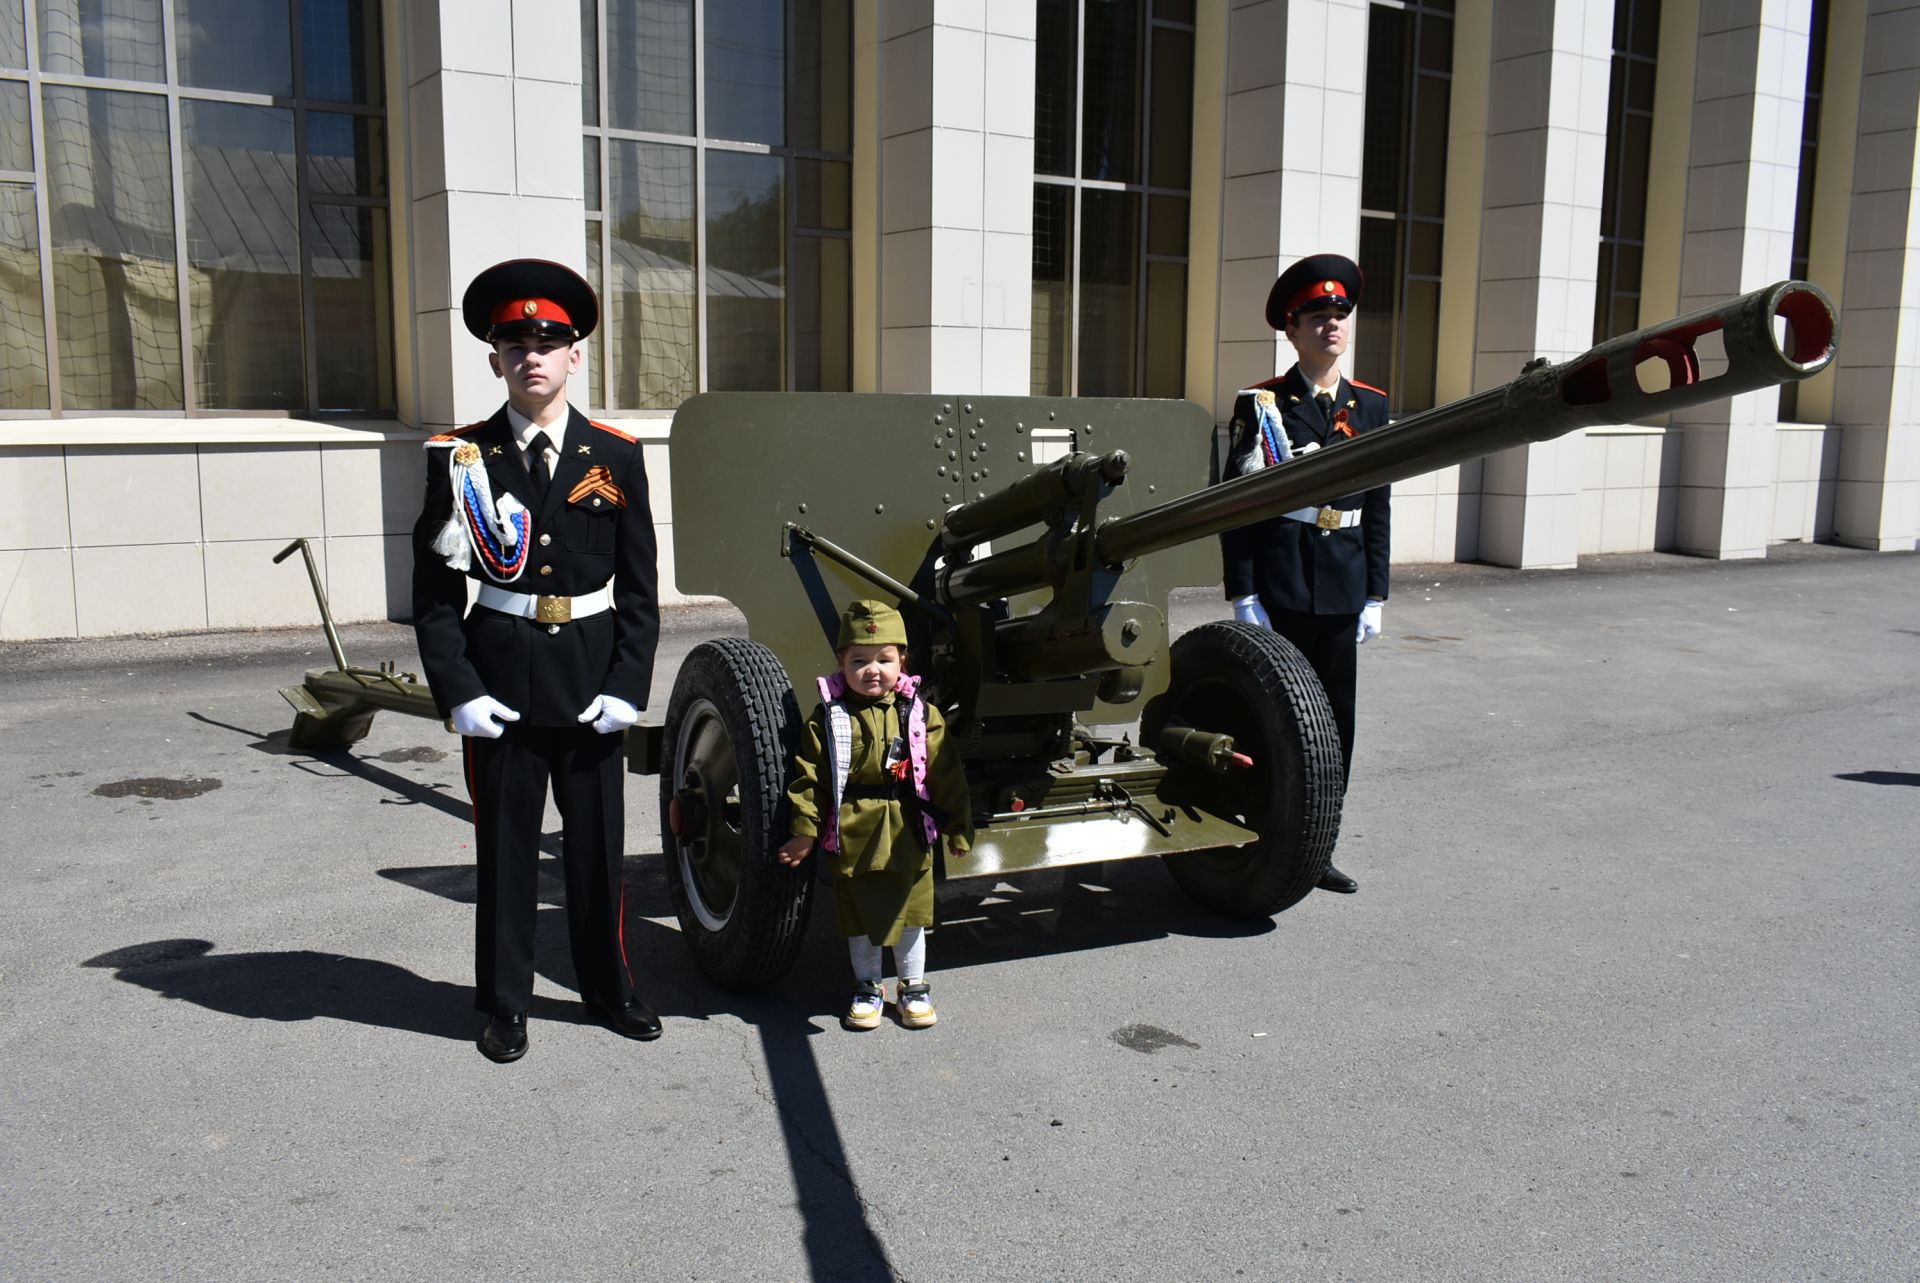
[{"x": 1909, "y": 778}]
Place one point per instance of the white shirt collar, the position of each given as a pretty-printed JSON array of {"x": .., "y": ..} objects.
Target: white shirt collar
[{"x": 524, "y": 428}]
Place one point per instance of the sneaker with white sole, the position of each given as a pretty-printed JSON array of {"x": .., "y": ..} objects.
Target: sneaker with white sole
[
  {"x": 916, "y": 1006},
  {"x": 869, "y": 1001}
]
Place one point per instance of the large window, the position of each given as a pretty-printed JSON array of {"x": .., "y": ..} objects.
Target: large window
[
  {"x": 718, "y": 160},
  {"x": 1809, "y": 161},
  {"x": 1403, "y": 190},
  {"x": 1113, "y": 121},
  {"x": 1623, "y": 201},
  {"x": 193, "y": 207}
]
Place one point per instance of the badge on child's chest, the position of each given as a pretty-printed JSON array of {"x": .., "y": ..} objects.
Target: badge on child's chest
[{"x": 897, "y": 763}]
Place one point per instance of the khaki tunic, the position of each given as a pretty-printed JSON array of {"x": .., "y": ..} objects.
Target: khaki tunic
[{"x": 883, "y": 871}]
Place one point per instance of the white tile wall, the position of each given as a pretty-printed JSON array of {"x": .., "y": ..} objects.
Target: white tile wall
[
  {"x": 254, "y": 492},
  {"x": 546, "y": 41},
  {"x": 36, "y": 594},
  {"x": 33, "y": 499},
  {"x": 150, "y": 496},
  {"x": 145, "y": 588}
]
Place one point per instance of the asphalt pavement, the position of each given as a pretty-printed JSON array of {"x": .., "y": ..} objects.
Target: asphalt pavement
[{"x": 1628, "y": 990}]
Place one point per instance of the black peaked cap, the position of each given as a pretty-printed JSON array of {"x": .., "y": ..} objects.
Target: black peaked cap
[{"x": 530, "y": 280}]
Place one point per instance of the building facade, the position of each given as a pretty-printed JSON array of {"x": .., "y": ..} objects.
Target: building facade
[{"x": 234, "y": 235}]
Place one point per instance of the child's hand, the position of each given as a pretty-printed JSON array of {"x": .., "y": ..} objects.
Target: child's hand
[
  {"x": 794, "y": 850},
  {"x": 955, "y": 850}
]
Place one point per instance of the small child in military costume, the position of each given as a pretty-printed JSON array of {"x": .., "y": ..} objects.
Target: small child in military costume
[{"x": 877, "y": 784}]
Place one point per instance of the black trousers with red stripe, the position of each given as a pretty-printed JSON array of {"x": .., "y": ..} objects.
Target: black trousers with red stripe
[
  {"x": 508, "y": 780},
  {"x": 1328, "y": 643}
]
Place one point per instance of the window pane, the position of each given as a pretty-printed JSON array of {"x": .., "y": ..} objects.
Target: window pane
[
  {"x": 243, "y": 256},
  {"x": 1373, "y": 324},
  {"x": 823, "y": 314},
  {"x": 1436, "y": 43},
  {"x": 1636, "y": 146},
  {"x": 115, "y": 39},
  {"x": 115, "y": 293},
  {"x": 590, "y": 62},
  {"x": 1640, "y": 85},
  {"x": 746, "y": 82},
  {"x": 1645, "y": 19},
  {"x": 16, "y": 135},
  {"x": 346, "y": 155},
  {"x": 1603, "y": 292},
  {"x": 1109, "y": 291},
  {"x": 1053, "y": 87},
  {"x": 590, "y": 165},
  {"x": 1172, "y": 116},
  {"x": 650, "y": 65},
  {"x": 649, "y": 302},
  {"x": 1429, "y": 186},
  {"x": 596, "y": 382},
  {"x": 823, "y": 194},
  {"x": 1052, "y": 288},
  {"x": 13, "y": 34},
  {"x": 244, "y": 45},
  {"x": 1167, "y": 225},
  {"x": 340, "y": 42},
  {"x": 746, "y": 268},
  {"x": 1386, "y": 109},
  {"x": 820, "y": 76},
  {"x": 351, "y": 307},
  {"x": 1173, "y": 10},
  {"x": 1110, "y": 148},
  {"x": 1166, "y": 321},
  {"x": 23, "y": 331},
  {"x": 1423, "y": 258},
  {"x": 1420, "y": 342}
]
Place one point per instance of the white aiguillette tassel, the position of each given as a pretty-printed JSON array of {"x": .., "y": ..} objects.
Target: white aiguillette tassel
[
  {"x": 508, "y": 508},
  {"x": 451, "y": 543}
]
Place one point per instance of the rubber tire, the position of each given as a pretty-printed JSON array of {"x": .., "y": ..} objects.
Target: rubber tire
[
  {"x": 1252, "y": 683},
  {"x": 741, "y": 685}
]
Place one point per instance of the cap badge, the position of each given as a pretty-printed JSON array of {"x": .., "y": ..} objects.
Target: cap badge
[
  {"x": 1331, "y": 287},
  {"x": 529, "y": 308}
]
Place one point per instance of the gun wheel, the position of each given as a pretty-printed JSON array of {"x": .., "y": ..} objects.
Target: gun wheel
[
  {"x": 1252, "y": 684},
  {"x": 730, "y": 731}
]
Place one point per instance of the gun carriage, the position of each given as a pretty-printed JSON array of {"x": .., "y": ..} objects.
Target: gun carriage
[{"x": 1031, "y": 544}]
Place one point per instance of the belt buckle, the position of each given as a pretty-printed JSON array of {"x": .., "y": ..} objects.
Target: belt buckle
[
  {"x": 1329, "y": 519},
  {"x": 553, "y": 610}
]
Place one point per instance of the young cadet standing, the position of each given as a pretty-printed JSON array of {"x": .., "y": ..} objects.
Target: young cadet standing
[
  {"x": 548, "y": 511},
  {"x": 1317, "y": 576}
]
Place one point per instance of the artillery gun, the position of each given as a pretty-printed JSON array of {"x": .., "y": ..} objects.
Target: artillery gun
[{"x": 1031, "y": 543}]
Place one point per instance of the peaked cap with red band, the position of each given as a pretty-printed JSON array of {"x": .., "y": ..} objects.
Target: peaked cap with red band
[
  {"x": 1316, "y": 278},
  {"x": 530, "y": 297}
]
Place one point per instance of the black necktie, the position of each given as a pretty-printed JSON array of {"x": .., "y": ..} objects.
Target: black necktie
[
  {"x": 1325, "y": 402},
  {"x": 537, "y": 464}
]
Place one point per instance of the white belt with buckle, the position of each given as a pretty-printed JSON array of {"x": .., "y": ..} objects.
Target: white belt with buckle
[
  {"x": 546, "y": 610},
  {"x": 1327, "y": 518}
]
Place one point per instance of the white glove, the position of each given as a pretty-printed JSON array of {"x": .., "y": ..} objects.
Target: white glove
[
  {"x": 1248, "y": 610},
  {"x": 475, "y": 717},
  {"x": 1369, "y": 623},
  {"x": 610, "y": 713}
]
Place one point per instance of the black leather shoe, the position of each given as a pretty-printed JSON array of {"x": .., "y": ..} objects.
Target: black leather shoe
[
  {"x": 1334, "y": 880},
  {"x": 505, "y": 1038},
  {"x": 635, "y": 1020}
]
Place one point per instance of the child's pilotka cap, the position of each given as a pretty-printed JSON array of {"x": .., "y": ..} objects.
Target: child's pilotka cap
[{"x": 871, "y": 623}]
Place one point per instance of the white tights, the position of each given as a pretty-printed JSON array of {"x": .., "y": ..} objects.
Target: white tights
[{"x": 909, "y": 956}]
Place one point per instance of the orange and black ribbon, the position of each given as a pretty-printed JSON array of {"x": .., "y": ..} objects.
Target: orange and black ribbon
[{"x": 598, "y": 481}]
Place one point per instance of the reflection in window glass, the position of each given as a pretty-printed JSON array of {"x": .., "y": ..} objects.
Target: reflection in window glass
[
  {"x": 1110, "y": 147},
  {"x": 1172, "y": 119},
  {"x": 340, "y": 46},
  {"x": 23, "y": 333},
  {"x": 1166, "y": 330},
  {"x": 1052, "y": 289},
  {"x": 1109, "y": 230},
  {"x": 596, "y": 383},
  {"x": 746, "y": 268},
  {"x": 16, "y": 138},
  {"x": 1809, "y": 166},
  {"x": 243, "y": 256},
  {"x": 650, "y": 65},
  {"x": 346, "y": 155},
  {"x": 116, "y": 305},
  {"x": 822, "y": 279},
  {"x": 351, "y": 289},
  {"x": 1623, "y": 198},
  {"x": 590, "y": 62},
  {"x": 746, "y": 71},
  {"x": 208, "y": 33},
  {"x": 13, "y": 35},
  {"x": 820, "y": 76},
  {"x": 648, "y": 302},
  {"x": 114, "y": 39},
  {"x": 823, "y": 194},
  {"x": 590, "y": 165},
  {"x": 1054, "y": 87}
]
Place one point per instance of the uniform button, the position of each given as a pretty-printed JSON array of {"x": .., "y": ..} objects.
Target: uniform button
[
  {"x": 545, "y": 540},
  {"x": 546, "y": 570},
  {"x": 552, "y": 629}
]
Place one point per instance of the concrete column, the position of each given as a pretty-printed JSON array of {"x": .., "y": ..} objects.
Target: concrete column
[
  {"x": 1748, "y": 98},
  {"x": 956, "y": 197},
  {"x": 493, "y": 151},
  {"x": 1294, "y": 112},
  {"x": 1875, "y": 402},
  {"x": 1540, "y": 220}
]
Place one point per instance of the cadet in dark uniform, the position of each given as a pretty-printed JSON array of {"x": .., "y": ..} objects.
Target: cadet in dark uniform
[
  {"x": 548, "y": 512},
  {"x": 1318, "y": 576}
]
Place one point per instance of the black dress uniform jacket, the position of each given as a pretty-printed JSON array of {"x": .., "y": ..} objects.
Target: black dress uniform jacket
[
  {"x": 548, "y": 673},
  {"x": 1293, "y": 565}
]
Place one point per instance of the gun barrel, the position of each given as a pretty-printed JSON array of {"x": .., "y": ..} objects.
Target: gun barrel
[{"x": 1774, "y": 335}]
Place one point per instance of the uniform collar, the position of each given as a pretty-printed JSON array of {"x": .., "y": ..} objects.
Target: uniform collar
[{"x": 523, "y": 429}]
